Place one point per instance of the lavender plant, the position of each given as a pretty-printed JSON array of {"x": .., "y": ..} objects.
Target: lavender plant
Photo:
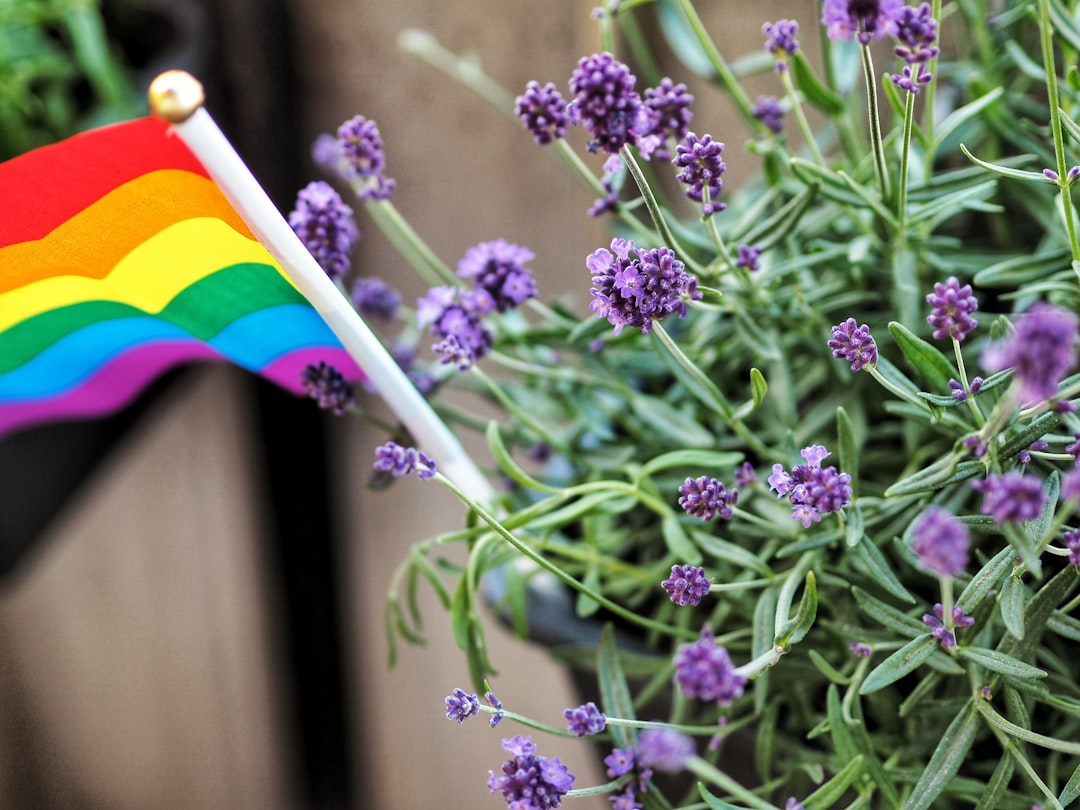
[{"x": 811, "y": 504}]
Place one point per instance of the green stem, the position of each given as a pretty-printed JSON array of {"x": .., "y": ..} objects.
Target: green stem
[
  {"x": 710, "y": 773},
  {"x": 905, "y": 154},
  {"x": 723, "y": 72},
  {"x": 800, "y": 118},
  {"x": 655, "y": 211},
  {"x": 877, "y": 144},
  {"x": 1046, "y": 31},
  {"x": 530, "y": 553},
  {"x": 519, "y": 413},
  {"x": 431, "y": 269}
]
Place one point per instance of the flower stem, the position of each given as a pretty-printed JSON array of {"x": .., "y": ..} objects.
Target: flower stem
[
  {"x": 800, "y": 118},
  {"x": 431, "y": 269},
  {"x": 877, "y": 144},
  {"x": 905, "y": 154},
  {"x": 1046, "y": 31},
  {"x": 710, "y": 773}
]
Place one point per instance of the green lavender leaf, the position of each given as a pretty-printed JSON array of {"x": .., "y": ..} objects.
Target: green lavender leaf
[
  {"x": 900, "y": 663},
  {"x": 948, "y": 755},
  {"x": 1000, "y": 662},
  {"x": 615, "y": 695}
]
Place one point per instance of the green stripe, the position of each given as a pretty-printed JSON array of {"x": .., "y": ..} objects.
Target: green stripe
[{"x": 202, "y": 309}]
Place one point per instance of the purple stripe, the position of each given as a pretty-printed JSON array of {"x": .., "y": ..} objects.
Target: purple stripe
[{"x": 119, "y": 381}]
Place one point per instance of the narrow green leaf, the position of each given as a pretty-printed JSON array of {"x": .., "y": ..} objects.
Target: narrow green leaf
[
  {"x": 900, "y": 663},
  {"x": 1005, "y": 171},
  {"x": 507, "y": 464},
  {"x": 950, "y": 752},
  {"x": 678, "y": 542},
  {"x": 796, "y": 628},
  {"x": 925, "y": 358},
  {"x": 887, "y": 615},
  {"x": 816, "y": 93},
  {"x": 943, "y": 472},
  {"x": 713, "y": 802},
  {"x": 758, "y": 387},
  {"x": 984, "y": 580},
  {"x": 854, "y": 526},
  {"x": 842, "y": 739},
  {"x": 847, "y": 449},
  {"x": 990, "y": 798},
  {"x": 614, "y": 690},
  {"x": 691, "y": 376},
  {"x": 1064, "y": 26},
  {"x": 1011, "y": 601},
  {"x": 713, "y": 461},
  {"x": 954, "y": 120},
  {"x": 768, "y": 232},
  {"x": 1064, "y": 625},
  {"x": 1071, "y": 791},
  {"x": 729, "y": 552},
  {"x": 827, "y": 669},
  {"x": 1021, "y": 733},
  {"x": 881, "y": 570},
  {"x": 1000, "y": 662},
  {"x": 828, "y": 794}
]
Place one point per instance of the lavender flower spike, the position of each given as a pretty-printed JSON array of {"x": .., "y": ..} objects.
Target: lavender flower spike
[
  {"x": 635, "y": 286},
  {"x": 606, "y": 104},
  {"x": 542, "y": 110},
  {"x": 941, "y": 542},
  {"x": 362, "y": 159},
  {"x": 461, "y": 705},
  {"x": 664, "y": 749},
  {"x": 706, "y": 498},
  {"x": 853, "y": 343},
  {"x": 705, "y": 670},
  {"x": 585, "y": 720},
  {"x": 687, "y": 585},
  {"x": 701, "y": 168},
  {"x": 1042, "y": 351},
  {"x": 780, "y": 40},
  {"x": 529, "y": 781},
  {"x": 952, "y": 306},
  {"x": 498, "y": 268},
  {"x": 399, "y": 461},
  {"x": 1012, "y": 497},
  {"x": 328, "y": 386},
  {"x": 326, "y": 227}
]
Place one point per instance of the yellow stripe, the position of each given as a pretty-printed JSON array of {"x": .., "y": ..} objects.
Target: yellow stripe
[{"x": 149, "y": 277}]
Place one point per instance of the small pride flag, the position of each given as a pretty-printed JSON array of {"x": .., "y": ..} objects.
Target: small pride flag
[{"x": 119, "y": 259}]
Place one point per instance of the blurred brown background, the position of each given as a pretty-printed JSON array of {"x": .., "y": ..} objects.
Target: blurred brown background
[{"x": 192, "y": 614}]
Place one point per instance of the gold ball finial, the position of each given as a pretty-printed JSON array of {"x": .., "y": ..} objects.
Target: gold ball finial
[{"x": 175, "y": 95}]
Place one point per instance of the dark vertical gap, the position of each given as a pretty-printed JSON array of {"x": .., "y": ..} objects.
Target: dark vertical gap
[{"x": 250, "y": 86}]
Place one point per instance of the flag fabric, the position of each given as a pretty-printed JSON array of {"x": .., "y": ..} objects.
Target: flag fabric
[{"x": 119, "y": 259}]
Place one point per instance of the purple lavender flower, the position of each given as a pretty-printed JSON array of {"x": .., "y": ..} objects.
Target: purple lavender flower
[
  {"x": 812, "y": 490},
  {"x": 704, "y": 670},
  {"x": 499, "y": 268},
  {"x": 938, "y": 629},
  {"x": 1012, "y": 497},
  {"x": 328, "y": 386},
  {"x": 496, "y": 704},
  {"x": 362, "y": 158},
  {"x": 400, "y": 461},
  {"x": 853, "y": 343},
  {"x": 619, "y": 761},
  {"x": 687, "y": 585},
  {"x": 1042, "y": 351},
  {"x": 702, "y": 169},
  {"x": 768, "y": 111},
  {"x": 529, "y": 781},
  {"x": 780, "y": 40},
  {"x": 860, "y": 650},
  {"x": 668, "y": 106},
  {"x": 461, "y": 705},
  {"x": 585, "y": 720},
  {"x": 794, "y": 804},
  {"x": 748, "y": 257},
  {"x": 744, "y": 475},
  {"x": 542, "y": 110},
  {"x": 706, "y": 497},
  {"x": 326, "y": 227},
  {"x": 941, "y": 542},
  {"x": 952, "y": 306},
  {"x": 457, "y": 314},
  {"x": 609, "y": 202},
  {"x": 916, "y": 29},
  {"x": 636, "y": 290},
  {"x": 1072, "y": 542},
  {"x": 864, "y": 19},
  {"x": 625, "y": 801},
  {"x": 606, "y": 103},
  {"x": 374, "y": 298},
  {"x": 664, "y": 749}
]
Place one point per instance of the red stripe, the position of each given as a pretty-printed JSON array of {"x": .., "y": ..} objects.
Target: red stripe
[{"x": 45, "y": 187}]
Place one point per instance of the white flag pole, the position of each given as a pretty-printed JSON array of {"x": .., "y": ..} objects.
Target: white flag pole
[{"x": 177, "y": 97}]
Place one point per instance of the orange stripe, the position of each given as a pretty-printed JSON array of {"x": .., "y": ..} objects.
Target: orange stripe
[{"x": 95, "y": 240}]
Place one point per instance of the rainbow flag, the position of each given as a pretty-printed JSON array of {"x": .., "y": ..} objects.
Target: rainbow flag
[{"x": 119, "y": 259}]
